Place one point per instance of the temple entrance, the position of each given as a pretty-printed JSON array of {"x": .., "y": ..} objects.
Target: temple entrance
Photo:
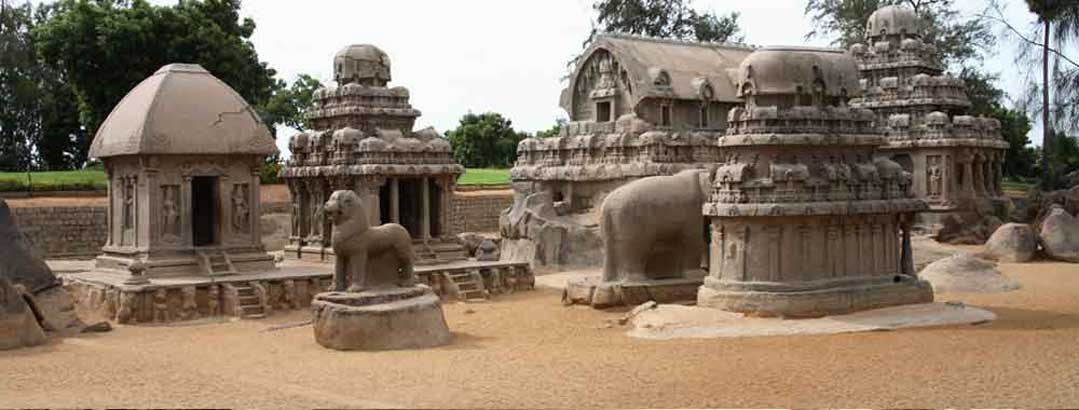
[
  {"x": 904, "y": 161},
  {"x": 410, "y": 205},
  {"x": 384, "y": 204},
  {"x": 203, "y": 211}
]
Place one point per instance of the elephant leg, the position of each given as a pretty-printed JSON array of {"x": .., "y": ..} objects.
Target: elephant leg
[
  {"x": 691, "y": 250},
  {"x": 357, "y": 269}
]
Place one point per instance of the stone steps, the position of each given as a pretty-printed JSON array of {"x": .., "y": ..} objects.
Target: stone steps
[
  {"x": 468, "y": 287},
  {"x": 249, "y": 304}
]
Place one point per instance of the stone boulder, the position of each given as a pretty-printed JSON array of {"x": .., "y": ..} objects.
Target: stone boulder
[
  {"x": 1060, "y": 235},
  {"x": 532, "y": 231},
  {"x": 381, "y": 319},
  {"x": 968, "y": 228},
  {"x": 19, "y": 326},
  {"x": 966, "y": 273},
  {"x": 1012, "y": 242},
  {"x": 23, "y": 266}
]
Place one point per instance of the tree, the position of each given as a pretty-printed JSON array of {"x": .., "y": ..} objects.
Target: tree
[
  {"x": 485, "y": 141},
  {"x": 105, "y": 47},
  {"x": 1020, "y": 159},
  {"x": 674, "y": 19},
  {"x": 960, "y": 41},
  {"x": 39, "y": 126},
  {"x": 554, "y": 130},
  {"x": 288, "y": 104}
]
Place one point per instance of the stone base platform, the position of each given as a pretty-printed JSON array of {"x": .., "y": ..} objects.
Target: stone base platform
[
  {"x": 814, "y": 302},
  {"x": 429, "y": 252},
  {"x": 382, "y": 319},
  {"x": 292, "y": 285},
  {"x": 592, "y": 291}
]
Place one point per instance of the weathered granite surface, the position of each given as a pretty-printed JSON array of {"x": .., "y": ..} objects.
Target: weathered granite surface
[
  {"x": 1060, "y": 235},
  {"x": 804, "y": 220},
  {"x": 376, "y": 305},
  {"x": 18, "y": 325},
  {"x": 1012, "y": 242}
]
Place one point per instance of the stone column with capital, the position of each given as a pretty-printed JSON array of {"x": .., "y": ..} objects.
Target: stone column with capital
[
  {"x": 254, "y": 198},
  {"x": 224, "y": 203},
  {"x": 425, "y": 218},
  {"x": 185, "y": 212},
  {"x": 395, "y": 201}
]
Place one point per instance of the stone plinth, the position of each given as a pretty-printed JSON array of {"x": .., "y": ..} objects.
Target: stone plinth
[
  {"x": 384, "y": 319},
  {"x": 591, "y": 291},
  {"x": 827, "y": 297}
]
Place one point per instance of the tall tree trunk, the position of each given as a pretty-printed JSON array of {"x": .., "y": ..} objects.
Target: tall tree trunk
[{"x": 1047, "y": 168}]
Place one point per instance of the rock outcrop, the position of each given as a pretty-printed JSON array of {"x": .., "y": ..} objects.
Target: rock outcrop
[
  {"x": 23, "y": 266},
  {"x": 1012, "y": 242},
  {"x": 19, "y": 326},
  {"x": 966, "y": 273},
  {"x": 1060, "y": 235}
]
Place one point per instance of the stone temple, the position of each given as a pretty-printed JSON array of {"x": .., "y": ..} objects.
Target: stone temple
[
  {"x": 363, "y": 141},
  {"x": 638, "y": 107},
  {"x": 804, "y": 221},
  {"x": 183, "y": 153},
  {"x": 956, "y": 159}
]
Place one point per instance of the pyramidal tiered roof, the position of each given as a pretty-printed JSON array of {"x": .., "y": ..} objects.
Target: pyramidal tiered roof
[
  {"x": 364, "y": 127},
  {"x": 904, "y": 82}
]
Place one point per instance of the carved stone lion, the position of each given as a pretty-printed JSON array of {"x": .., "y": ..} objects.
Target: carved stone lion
[{"x": 367, "y": 257}]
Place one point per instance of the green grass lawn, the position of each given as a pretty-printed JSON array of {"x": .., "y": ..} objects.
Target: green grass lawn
[
  {"x": 485, "y": 176},
  {"x": 1012, "y": 185},
  {"x": 81, "y": 180},
  {"x": 85, "y": 180}
]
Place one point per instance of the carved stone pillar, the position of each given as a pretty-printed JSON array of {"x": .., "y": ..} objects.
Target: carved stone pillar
[
  {"x": 395, "y": 201},
  {"x": 254, "y": 199},
  {"x": 425, "y": 215},
  {"x": 185, "y": 212},
  {"x": 907, "y": 262},
  {"x": 224, "y": 203},
  {"x": 110, "y": 221}
]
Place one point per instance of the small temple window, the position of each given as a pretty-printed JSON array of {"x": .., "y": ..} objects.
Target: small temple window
[
  {"x": 704, "y": 116},
  {"x": 603, "y": 111},
  {"x": 665, "y": 115}
]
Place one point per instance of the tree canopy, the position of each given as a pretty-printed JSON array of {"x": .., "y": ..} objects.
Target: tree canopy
[
  {"x": 39, "y": 125},
  {"x": 674, "y": 19},
  {"x": 106, "y": 47},
  {"x": 959, "y": 40},
  {"x": 485, "y": 141}
]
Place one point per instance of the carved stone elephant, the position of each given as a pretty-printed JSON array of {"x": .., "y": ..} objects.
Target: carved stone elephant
[{"x": 653, "y": 228}]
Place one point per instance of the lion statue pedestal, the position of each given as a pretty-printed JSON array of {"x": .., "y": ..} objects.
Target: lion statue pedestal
[{"x": 376, "y": 304}]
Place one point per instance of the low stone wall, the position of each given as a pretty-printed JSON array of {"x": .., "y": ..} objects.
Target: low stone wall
[
  {"x": 69, "y": 232},
  {"x": 478, "y": 211},
  {"x": 64, "y": 232}
]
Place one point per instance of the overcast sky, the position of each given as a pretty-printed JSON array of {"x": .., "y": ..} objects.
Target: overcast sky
[{"x": 507, "y": 56}]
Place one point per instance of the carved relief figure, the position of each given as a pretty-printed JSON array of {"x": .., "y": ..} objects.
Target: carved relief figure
[
  {"x": 241, "y": 212},
  {"x": 170, "y": 213},
  {"x": 126, "y": 312},
  {"x": 189, "y": 309},
  {"x": 161, "y": 306},
  {"x": 213, "y": 301},
  {"x": 129, "y": 204}
]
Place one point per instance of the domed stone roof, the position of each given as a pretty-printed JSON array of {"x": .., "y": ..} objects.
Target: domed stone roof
[
  {"x": 794, "y": 70},
  {"x": 893, "y": 20},
  {"x": 182, "y": 109},
  {"x": 362, "y": 64}
]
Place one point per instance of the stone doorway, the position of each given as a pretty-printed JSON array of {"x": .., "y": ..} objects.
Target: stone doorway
[
  {"x": 409, "y": 190},
  {"x": 203, "y": 211}
]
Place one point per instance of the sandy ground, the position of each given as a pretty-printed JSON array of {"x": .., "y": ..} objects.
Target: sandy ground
[{"x": 526, "y": 350}]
